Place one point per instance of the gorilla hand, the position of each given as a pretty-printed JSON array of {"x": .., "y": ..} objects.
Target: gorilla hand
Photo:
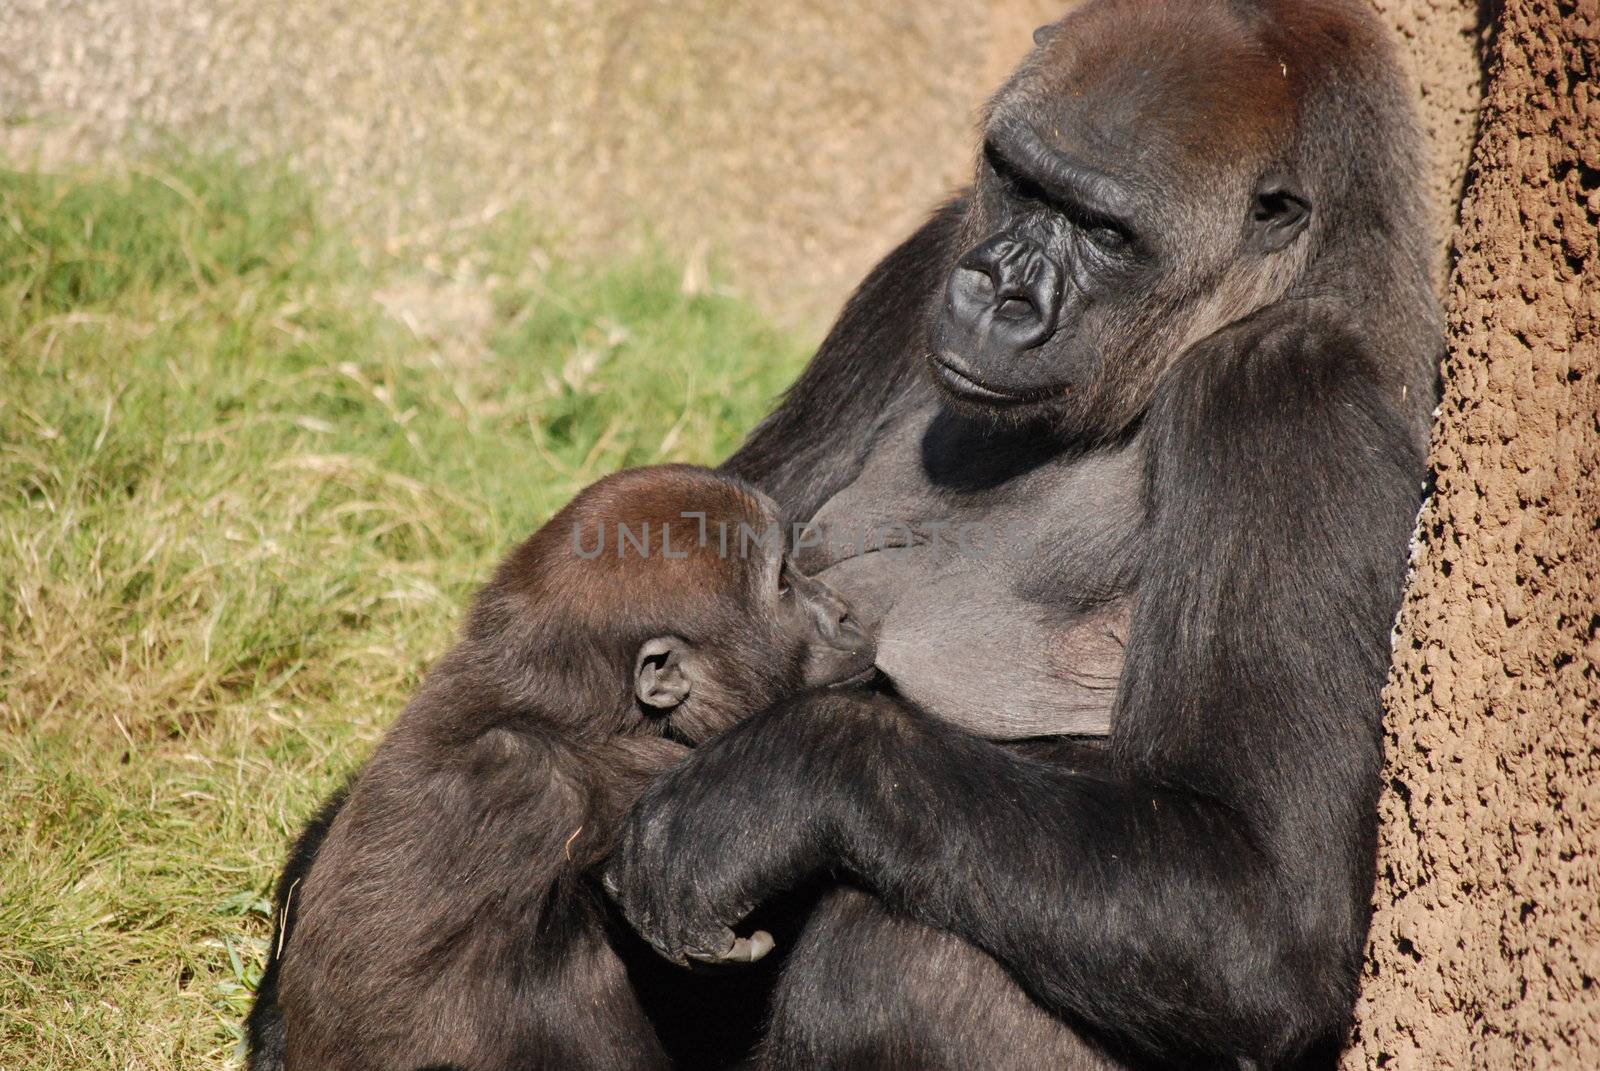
[
  {"x": 704, "y": 846},
  {"x": 747, "y": 816}
]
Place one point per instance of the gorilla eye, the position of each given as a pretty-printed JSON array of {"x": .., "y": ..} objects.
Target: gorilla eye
[
  {"x": 783, "y": 579},
  {"x": 1017, "y": 184},
  {"x": 1110, "y": 239}
]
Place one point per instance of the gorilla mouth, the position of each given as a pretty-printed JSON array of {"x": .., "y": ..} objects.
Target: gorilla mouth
[
  {"x": 866, "y": 676},
  {"x": 966, "y": 387}
]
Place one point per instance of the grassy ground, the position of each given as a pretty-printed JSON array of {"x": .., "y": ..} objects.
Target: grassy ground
[{"x": 248, "y": 476}]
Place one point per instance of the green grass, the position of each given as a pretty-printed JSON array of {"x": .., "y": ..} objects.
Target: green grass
[{"x": 248, "y": 478}]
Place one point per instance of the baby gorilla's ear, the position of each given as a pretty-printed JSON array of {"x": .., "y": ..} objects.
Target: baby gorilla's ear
[{"x": 659, "y": 679}]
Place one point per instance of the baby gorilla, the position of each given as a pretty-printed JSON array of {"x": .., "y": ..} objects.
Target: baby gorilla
[{"x": 451, "y": 918}]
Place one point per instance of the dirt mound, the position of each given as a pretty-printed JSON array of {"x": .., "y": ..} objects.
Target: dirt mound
[{"x": 1485, "y": 952}]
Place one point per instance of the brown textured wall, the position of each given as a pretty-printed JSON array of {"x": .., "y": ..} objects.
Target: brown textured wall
[
  {"x": 1441, "y": 44},
  {"x": 1485, "y": 952}
]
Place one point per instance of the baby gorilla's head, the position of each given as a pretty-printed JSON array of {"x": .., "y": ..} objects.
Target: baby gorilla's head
[{"x": 665, "y": 595}]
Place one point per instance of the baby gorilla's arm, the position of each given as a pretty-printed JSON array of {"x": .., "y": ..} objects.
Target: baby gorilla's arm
[{"x": 629, "y": 764}]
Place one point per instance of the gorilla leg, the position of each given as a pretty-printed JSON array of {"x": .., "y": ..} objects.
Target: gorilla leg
[{"x": 866, "y": 991}]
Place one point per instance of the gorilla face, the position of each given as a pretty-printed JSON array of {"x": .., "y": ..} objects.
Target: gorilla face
[
  {"x": 1115, "y": 221},
  {"x": 1063, "y": 243}
]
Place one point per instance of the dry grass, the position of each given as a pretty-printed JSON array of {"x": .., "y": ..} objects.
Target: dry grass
[
  {"x": 248, "y": 476},
  {"x": 799, "y": 140}
]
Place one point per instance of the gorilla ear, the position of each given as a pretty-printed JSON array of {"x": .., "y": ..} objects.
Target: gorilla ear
[
  {"x": 659, "y": 679},
  {"x": 1278, "y": 213}
]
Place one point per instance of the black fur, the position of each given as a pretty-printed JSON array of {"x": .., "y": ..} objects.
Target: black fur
[
  {"x": 1192, "y": 892},
  {"x": 264, "y": 1038},
  {"x": 814, "y": 443}
]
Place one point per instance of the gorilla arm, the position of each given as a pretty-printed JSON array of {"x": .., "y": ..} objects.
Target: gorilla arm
[{"x": 1199, "y": 889}]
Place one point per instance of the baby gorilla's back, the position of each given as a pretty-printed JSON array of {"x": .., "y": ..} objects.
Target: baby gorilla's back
[
  {"x": 447, "y": 921},
  {"x": 450, "y": 916}
]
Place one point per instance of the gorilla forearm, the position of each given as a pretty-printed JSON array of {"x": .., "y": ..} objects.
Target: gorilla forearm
[
  {"x": 1150, "y": 914},
  {"x": 1164, "y": 923}
]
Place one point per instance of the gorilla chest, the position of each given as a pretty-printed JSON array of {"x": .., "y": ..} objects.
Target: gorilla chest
[
  {"x": 941, "y": 497},
  {"x": 998, "y": 569}
]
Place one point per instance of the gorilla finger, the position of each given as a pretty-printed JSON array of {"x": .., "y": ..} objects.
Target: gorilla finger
[
  {"x": 741, "y": 950},
  {"x": 752, "y": 948},
  {"x": 746, "y": 950},
  {"x": 717, "y": 946}
]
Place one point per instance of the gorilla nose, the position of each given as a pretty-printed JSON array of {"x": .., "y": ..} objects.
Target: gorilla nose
[
  {"x": 1005, "y": 295},
  {"x": 851, "y": 634},
  {"x": 839, "y": 627}
]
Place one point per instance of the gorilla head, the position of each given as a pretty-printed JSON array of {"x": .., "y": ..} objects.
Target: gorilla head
[{"x": 1150, "y": 175}]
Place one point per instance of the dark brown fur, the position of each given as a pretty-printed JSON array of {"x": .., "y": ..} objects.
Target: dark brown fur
[
  {"x": 450, "y": 918},
  {"x": 950, "y": 1007}
]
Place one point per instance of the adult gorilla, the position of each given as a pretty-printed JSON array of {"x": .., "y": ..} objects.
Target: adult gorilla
[{"x": 1184, "y": 314}]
